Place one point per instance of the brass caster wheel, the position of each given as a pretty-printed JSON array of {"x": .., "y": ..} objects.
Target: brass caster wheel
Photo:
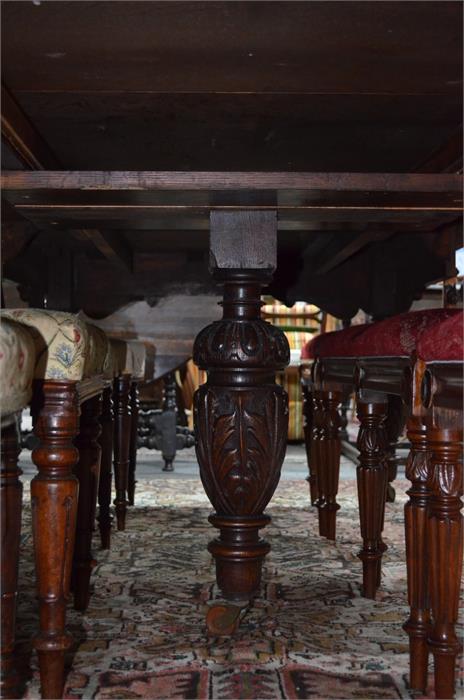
[{"x": 223, "y": 620}]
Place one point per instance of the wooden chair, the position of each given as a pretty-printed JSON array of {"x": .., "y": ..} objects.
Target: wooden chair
[
  {"x": 416, "y": 357},
  {"x": 126, "y": 369},
  {"x": 17, "y": 360},
  {"x": 69, "y": 377}
]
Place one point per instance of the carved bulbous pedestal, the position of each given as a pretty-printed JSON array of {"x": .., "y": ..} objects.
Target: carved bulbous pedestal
[{"x": 241, "y": 420}]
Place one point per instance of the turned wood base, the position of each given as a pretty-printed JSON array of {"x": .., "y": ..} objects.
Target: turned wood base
[{"x": 239, "y": 553}]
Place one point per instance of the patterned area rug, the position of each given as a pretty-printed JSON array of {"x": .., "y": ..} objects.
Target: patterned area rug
[{"x": 309, "y": 634}]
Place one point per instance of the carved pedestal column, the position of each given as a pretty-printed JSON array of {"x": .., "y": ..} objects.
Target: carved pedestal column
[
  {"x": 415, "y": 522},
  {"x": 241, "y": 414},
  {"x": 11, "y": 491},
  {"x": 445, "y": 552},
  {"x": 372, "y": 484}
]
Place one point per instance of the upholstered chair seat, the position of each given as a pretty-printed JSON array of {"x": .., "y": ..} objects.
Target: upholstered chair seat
[
  {"x": 17, "y": 361},
  {"x": 67, "y": 349},
  {"x": 430, "y": 334}
]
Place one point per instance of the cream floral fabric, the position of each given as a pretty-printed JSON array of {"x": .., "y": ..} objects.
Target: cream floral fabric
[
  {"x": 66, "y": 347},
  {"x": 17, "y": 358}
]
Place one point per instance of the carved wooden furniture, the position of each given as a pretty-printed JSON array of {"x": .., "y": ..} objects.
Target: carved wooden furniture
[
  {"x": 240, "y": 413},
  {"x": 417, "y": 357},
  {"x": 434, "y": 528},
  {"x": 17, "y": 360},
  {"x": 71, "y": 362},
  {"x": 119, "y": 421},
  {"x": 158, "y": 428},
  {"x": 299, "y": 323}
]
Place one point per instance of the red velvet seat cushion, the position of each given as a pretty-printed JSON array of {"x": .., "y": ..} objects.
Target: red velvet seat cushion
[
  {"x": 434, "y": 334},
  {"x": 443, "y": 342}
]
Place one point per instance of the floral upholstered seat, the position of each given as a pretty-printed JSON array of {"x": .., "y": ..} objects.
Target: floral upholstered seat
[
  {"x": 17, "y": 359},
  {"x": 431, "y": 334},
  {"x": 66, "y": 348}
]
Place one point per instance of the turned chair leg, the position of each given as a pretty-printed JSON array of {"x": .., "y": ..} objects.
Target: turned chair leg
[
  {"x": 87, "y": 471},
  {"x": 329, "y": 459},
  {"x": 104, "y": 486},
  {"x": 445, "y": 552},
  {"x": 122, "y": 431},
  {"x": 169, "y": 423},
  {"x": 372, "y": 484},
  {"x": 394, "y": 427},
  {"x": 316, "y": 460},
  {"x": 308, "y": 436},
  {"x": 415, "y": 520},
  {"x": 11, "y": 497},
  {"x": 134, "y": 405},
  {"x": 54, "y": 493}
]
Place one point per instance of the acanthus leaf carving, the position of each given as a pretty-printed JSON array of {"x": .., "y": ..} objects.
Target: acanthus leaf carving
[
  {"x": 446, "y": 479},
  {"x": 241, "y": 457}
]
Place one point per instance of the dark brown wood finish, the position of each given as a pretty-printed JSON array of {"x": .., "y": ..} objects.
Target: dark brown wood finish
[
  {"x": 329, "y": 456},
  {"x": 54, "y": 497},
  {"x": 87, "y": 471},
  {"x": 240, "y": 414},
  {"x": 104, "y": 486},
  {"x": 11, "y": 498},
  {"x": 415, "y": 520},
  {"x": 432, "y": 394},
  {"x": 445, "y": 538},
  {"x": 122, "y": 432},
  {"x": 134, "y": 407},
  {"x": 211, "y": 85},
  {"x": 372, "y": 486},
  {"x": 308, "y": 416},
  {"x": 396, "y": 418},
  {"x": 316, "y": 461}
]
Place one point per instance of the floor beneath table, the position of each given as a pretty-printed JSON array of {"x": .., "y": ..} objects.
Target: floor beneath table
[{"x": 150, "y": 465}]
